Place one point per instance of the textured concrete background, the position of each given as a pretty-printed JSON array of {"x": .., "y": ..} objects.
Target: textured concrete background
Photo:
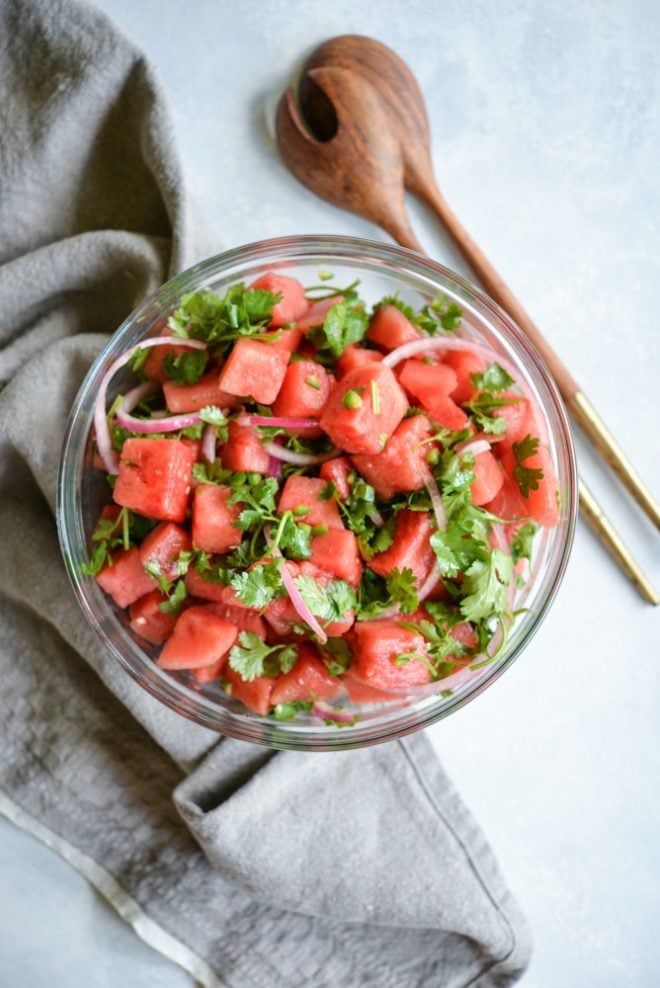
[{"x": 546, "y": 139}]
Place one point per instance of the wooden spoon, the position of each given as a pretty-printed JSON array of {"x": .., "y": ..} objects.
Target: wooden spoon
[
  {"x": 399, "y": 91},
  {"x": 360, "y": 154},
  {"x": 353, "y": 157},
  {"x": 357, "y": 135}
]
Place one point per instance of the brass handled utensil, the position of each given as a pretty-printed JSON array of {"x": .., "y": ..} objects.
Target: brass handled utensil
[{"x": 364, "y": 139}]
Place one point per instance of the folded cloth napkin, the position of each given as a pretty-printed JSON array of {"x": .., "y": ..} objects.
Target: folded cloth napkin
[{"x": 246, "y": 866}]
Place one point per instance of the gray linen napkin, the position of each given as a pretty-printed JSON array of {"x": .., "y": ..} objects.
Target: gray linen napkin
[{"x": 248, "y": 867}]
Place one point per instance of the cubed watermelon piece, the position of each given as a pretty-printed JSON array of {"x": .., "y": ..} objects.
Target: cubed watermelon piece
[
  {"x": 465, "y": 633},
  {"x": 281, "y": 615},
  {"x": 245, "y": 618},
  {"x": 192, "y": 397},
  {"x": 287, "y": 340},
  {"x": 244, "y": 451},
  {"x": 338, "y": 471},
  {"x": 543, "y": 503},
  {"x": 430, "y": 385},
  {"x": 352, "y": 421},
  {"x": 305, "y": 390},
  {"x": 255, "y": 695},
  {"x": 517, "y": 420},
  {"x": 198, "y": 586},
  {"x": 292, "y": 306},
  {"x": 213, "y": 528},
  {"x": 464, "y": 363},
  {"x": 361, "y": 693},
  {"x": 337, "y": 553},
  {"x": 155, "y": 477},
  {"x": 317, "y": 311},
  {"x": 411, "y": 546},
  {"x": 488, "y": 478},
  {"x": 356, "y": 356},
  {"x": 147, "y": 619},
  {"x": 254, "y": 370},
  {"x": 376, "y": 647},
  {"x": 303, "y": 492},
  {"x": 523, "y": 419},
  {"x": 426, "y": 382},
  {"x": 389, "y": 328},
  {"x": 153, "y": 367},
  {"x": 199, "y": 638},
  {"x": 125, "y": 580},
  {"x": 208, "y": 674},
  {"x": 402, "y": 466},
  {"x": 508, "y": 503},
  {"x": 308, "y": 680},
  {"x": 162, "y": 547}
]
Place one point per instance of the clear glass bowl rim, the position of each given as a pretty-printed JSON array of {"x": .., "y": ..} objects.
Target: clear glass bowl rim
[{"x": 278, "y": 253}]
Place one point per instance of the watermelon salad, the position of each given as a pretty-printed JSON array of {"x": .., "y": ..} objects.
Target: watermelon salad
[{"x": 315, "y": 504}]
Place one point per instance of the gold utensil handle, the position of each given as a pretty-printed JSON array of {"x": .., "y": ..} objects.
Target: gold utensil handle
[
  {"x": 590, "y": 422},
  {"x": 595, "y": 517}
]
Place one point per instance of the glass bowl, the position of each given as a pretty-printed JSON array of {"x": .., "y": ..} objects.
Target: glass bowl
[{"x": 83, "y": 490}]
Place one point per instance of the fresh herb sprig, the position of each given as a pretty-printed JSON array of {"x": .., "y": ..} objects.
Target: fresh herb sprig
[{"x": 220, "y": 320}]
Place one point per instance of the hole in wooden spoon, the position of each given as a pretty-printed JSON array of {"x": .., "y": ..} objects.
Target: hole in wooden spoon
[{"x": 318, "y": 112}]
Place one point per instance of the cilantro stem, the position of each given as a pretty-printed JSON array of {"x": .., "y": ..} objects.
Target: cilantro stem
[
  {"x": 280, "y": 529},
  {"x": 125, "y": 533}
]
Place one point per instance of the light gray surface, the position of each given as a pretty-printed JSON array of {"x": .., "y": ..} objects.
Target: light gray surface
[{"x": 546, "y": 140}]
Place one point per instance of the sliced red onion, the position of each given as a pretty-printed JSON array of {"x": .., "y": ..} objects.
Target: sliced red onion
[
  {"x": 377, "y": 518},
  {"x": 149, "y": 426},
  {"x": 298, "y": 459},
  {"x": 429, "y": 584},
  {"x": 325, "y": 712},
  {"x": 277, "y": 422},
  {"x": 275, "y": 465},
  {"x": 209, "y": 437},
  {"x": 436, "y": 503},
  {"x": 135, "y": 395},
  {"x": 297, "y": 601},
  {"x": 429, "y": 343},
  {"x": 274, "y": 468},
  {"x": 102, "y": 432},
  {"x": 474, "y": 446}
]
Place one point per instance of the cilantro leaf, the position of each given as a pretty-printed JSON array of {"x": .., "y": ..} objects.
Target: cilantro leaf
[
  {"x": 293, "y": 538},
  {"x": 175, "y": 598},
  {"x": 256, "y": 495},
  {"x": 486, "y": 586},
  {"x": 493, "y": 380},
  {"x": 441, "y": 646},
  {"x": 220, "y": 320},
  {"x": 212, "y": 415},
  {"x": 258, "y": 586},
  {"x": 329, "y": 603},
  {"x": 401, "y": 586},
  {"x": 122, "y": 532},
  {"x": 521, "y": 543},
  {"x": 527, "y": 478},
  {"x": 252, "y": 657},
  {"x": 185, "y": 368},
  {"x": 441, "y": 313},
  {"x": 345, "y": 323}
]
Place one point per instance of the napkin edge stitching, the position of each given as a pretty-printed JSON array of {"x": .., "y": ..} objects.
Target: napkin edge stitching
[{"x": 147, "y": 929}]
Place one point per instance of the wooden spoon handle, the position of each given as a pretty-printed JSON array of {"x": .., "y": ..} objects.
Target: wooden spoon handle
[
  {"x": 578, "y": 404},
  {"x": 496, "y": 287}
]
